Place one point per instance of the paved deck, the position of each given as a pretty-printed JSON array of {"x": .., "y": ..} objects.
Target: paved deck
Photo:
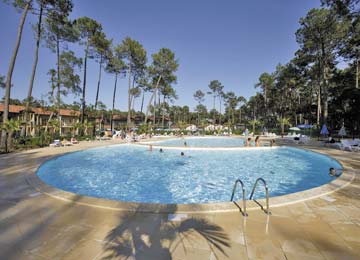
[{"x": 34, "y": 225}]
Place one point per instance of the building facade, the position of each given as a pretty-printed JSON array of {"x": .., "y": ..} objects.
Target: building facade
[{"x": 38, "y": 119}]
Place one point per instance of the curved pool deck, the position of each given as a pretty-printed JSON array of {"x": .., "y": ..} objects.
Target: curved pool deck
[{"x": 41, "y": 222}]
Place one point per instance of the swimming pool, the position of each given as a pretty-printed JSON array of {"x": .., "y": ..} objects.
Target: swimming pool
[
  {"x": 133, "y": 173},
  {"x": 202, "y": 142}
]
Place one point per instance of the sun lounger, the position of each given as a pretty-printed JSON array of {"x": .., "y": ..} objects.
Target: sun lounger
[
  {"x": 74, "y": 141},
  {"x": 346, "y": 145},
  {"x": 56, "y": 143},
  {"x": 303, "y": 139},
  {"x": 355, "y": 142},
  {"x": 66, "y": 143}
]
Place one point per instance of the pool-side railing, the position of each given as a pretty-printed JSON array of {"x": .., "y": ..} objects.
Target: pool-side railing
[
  {"x": 267, "y": 211},
  {"x": 266, "y": 192},
  {"x": 243, "y": 194}
]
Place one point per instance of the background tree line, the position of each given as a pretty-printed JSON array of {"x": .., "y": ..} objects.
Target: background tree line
[
  {"x": 320, "y": 84},
  {"x": 126, "y": 59}
]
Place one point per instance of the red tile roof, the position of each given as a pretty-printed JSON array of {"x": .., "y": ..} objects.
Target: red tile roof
[
  {"x": 12, "y": 108},
  {"x": 119, "y": 117},
  {"x": 39, "y": 110}
]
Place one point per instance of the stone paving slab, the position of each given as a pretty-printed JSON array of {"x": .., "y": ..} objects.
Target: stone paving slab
[{"x": 34, "y": 225}]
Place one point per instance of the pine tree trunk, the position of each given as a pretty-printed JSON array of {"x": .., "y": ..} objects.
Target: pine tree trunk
[
  {"x": 97, "y": 91},
  {"x": 265, "y": 96},
  {"x": 325, "y": 96},
  {"x": 151, "y": 98},
  {"x": 36, "y": 58},
  {"x": 113, "y": 103},
  {"x": 132, "y": 98},
  {"x": 233, "y": 116},
  {"x": 240, "y": 116},
  {"x": 220, "y": 111},
  {"x": 198, "y": 114},
  {"x": 47, "y": 123},
  {"x": 325, "y": 105},
  {"x": 142, "y": 101},
  {"x": 58, "y": 83},
  {"x": 129, "y": 99},
  {"x": 318, "y": 112},
  {"x": 98, "y": 84},
  {"x": 154, "y": 121},
  {"x": 357, "y": 73},
  {"x": 163, "y": 113},
  {"x": 214, "y": 117},
  {"x": 53, "y": 101},
  {"x": 11, "y": 70},
  {"x": 82, "y": 119}
]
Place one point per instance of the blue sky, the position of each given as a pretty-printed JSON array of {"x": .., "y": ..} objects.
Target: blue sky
[{"x": 231, "y": 41}]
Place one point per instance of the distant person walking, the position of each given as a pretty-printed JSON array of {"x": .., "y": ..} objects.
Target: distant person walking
[{"x": 246, "y": 132}]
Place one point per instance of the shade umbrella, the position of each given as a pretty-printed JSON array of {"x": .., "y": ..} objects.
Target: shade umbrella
[
  {"x": 306, "y": 126},
  {"x": 294, "y": 128},
  {"x": 342, "y": 131},
  {"x": 324, "y": 130}
]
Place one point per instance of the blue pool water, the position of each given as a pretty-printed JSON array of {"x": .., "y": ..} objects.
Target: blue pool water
[
  {"x": 132, "y": 173},
  {"x": 203, "y": 142}
]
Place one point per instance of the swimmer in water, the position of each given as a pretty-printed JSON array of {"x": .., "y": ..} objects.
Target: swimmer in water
[{"x": 335, "y": 172}]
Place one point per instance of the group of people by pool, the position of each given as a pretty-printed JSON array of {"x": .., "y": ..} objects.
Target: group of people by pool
[
  {"x": 247, "y": 143},
  {"x": 162, "y": 150},
  {"x": 332, "y": 171},
  {"x": 257, "y": 142}
]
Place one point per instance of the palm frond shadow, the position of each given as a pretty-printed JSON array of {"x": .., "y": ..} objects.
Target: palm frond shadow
[
  {"x": 152, "y": 236},
  {"x": 190, "y": 230}
]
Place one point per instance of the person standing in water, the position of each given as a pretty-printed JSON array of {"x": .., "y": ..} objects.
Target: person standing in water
[
  {"x": 257, "y": 141},
  {"x": 272, "y": 142}
]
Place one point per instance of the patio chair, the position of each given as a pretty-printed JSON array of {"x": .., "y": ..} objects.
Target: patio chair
[{"x": 346, "y": 145}]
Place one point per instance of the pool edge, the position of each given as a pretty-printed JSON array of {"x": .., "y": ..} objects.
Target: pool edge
[{"x": 341, "y": 182}]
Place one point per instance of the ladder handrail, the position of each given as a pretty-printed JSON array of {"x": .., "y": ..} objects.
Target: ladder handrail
[
  {"x": 266, "y": 191},
  {"x": 243, "y": 193}
]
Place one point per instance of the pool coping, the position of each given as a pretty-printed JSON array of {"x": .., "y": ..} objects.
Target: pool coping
[{"x": 340, "y": 182}]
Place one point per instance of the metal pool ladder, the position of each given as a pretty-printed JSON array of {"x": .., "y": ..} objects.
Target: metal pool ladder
[
  {"x": 267, "y": 195},
  {"x": 243, "y": 194}
]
